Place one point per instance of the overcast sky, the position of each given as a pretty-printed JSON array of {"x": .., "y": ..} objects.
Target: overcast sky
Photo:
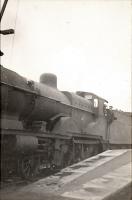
[{"x": 86, "y": 43}]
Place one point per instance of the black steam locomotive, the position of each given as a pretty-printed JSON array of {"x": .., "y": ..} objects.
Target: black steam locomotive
[{"x": 42, "y": 127}]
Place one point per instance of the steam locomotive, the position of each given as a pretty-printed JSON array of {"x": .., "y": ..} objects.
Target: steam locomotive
[{"x": 42, "y": 127}]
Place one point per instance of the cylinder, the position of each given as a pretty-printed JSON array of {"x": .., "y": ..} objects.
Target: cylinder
[{"x": 26, "y": 144}]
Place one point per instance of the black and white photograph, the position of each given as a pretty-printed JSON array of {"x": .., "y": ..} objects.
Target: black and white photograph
[{"x": 66, "y": 111}]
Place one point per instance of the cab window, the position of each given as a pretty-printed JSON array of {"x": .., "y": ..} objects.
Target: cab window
[
  {"x": 96, "y": 103},
  {"x": 88, "y": 96}
]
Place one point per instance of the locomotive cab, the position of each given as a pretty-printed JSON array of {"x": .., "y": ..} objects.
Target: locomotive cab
[{"x": 99, "y": 104}]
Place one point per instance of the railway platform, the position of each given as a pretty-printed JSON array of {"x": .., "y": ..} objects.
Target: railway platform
[{"x": 106, "y": 176}]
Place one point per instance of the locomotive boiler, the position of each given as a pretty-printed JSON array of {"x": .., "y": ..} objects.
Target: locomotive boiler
[{"x": 43, "y": 127}]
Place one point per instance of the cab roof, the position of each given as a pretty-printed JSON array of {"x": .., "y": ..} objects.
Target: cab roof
[{"x": 90, "y": 93}]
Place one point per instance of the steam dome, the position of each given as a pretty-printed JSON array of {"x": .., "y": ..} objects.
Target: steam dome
[{"x": 49, "y": 79}]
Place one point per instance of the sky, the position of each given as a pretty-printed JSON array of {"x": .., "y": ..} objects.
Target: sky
[{"x": 86, "y": 43}]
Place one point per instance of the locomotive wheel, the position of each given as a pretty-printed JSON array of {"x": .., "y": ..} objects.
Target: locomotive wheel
[{"x": 28, "y": 168}]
